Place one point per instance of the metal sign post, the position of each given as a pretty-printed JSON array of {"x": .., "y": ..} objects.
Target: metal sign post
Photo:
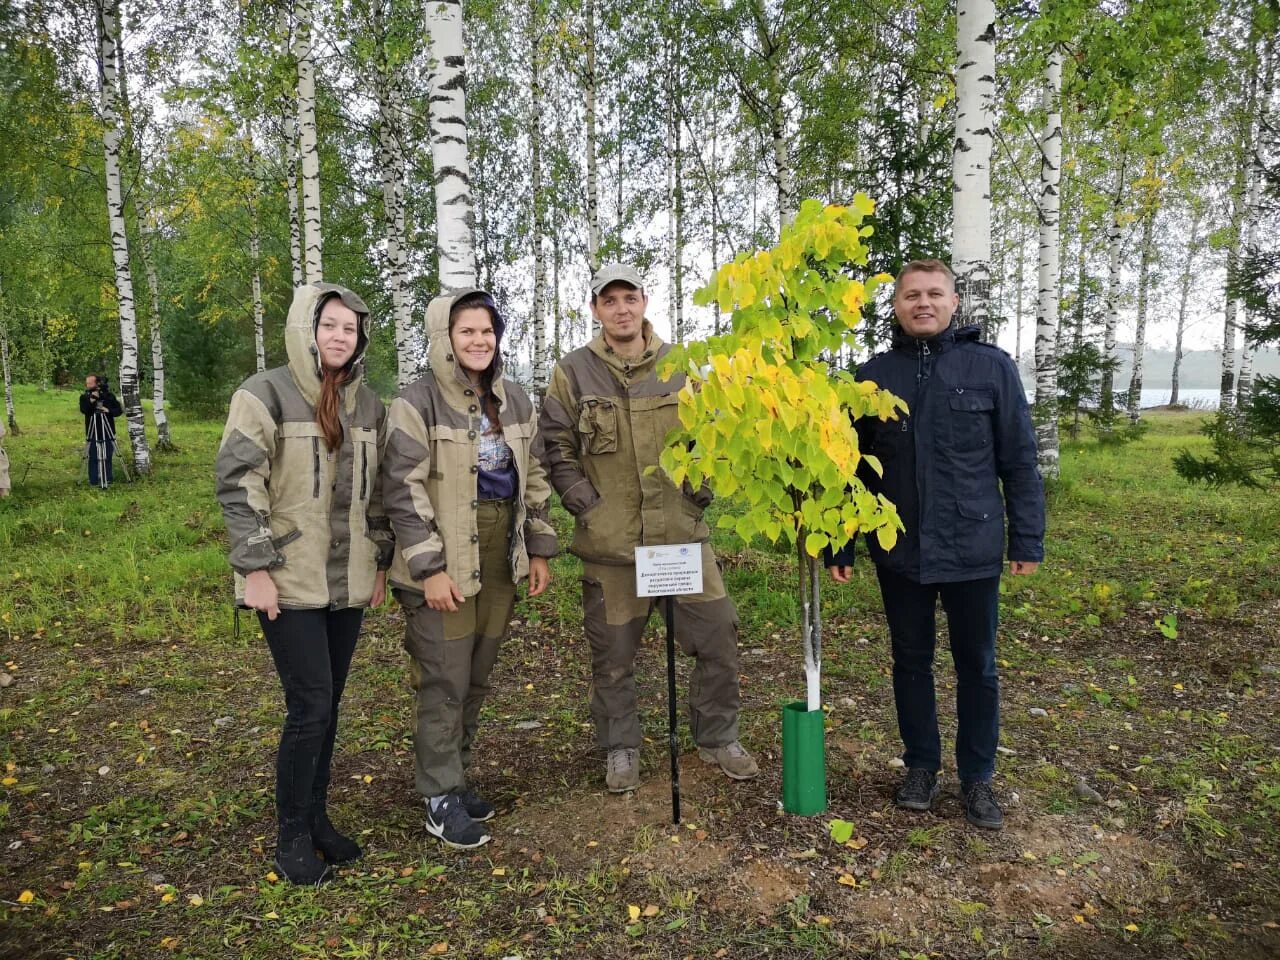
[{"x": 667, "y": 572}]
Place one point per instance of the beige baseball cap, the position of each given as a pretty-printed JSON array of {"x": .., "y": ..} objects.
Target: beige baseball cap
[{"x": 616, "y": 273}]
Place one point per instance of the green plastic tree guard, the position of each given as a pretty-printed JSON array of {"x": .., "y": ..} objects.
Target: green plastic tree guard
[{"x": 804, "y": 760}]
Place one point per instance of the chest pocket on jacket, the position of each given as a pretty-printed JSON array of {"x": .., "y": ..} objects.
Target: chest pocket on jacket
[
  {"x": 598, "y": 424},
  {"x": 971, "y": 411}
]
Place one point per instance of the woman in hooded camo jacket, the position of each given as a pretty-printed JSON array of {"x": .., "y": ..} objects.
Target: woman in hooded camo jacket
[
  {"x": 468, "y": 501},
  {"x": 299, "y": 484}
]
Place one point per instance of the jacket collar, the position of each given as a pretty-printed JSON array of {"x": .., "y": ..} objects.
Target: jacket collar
[
  {"x": 630, "y": 366},
  {"x": 941, "y": 341}
]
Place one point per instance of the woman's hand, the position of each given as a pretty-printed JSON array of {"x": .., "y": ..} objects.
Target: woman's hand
[
  {"x": 539, "y": 575},
  {"x": 379, "y": 589},
  {"x": 260, "y": 594},
  {"x": 441, "y": 593}
]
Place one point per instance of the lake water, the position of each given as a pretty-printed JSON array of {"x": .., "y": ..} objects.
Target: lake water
[
  {"x": 1197, "y": 399},
  {"x": 1200, "y": 399}
]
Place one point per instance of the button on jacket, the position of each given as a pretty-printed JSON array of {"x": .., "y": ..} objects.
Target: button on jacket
[{"x": 958, "y": 465}]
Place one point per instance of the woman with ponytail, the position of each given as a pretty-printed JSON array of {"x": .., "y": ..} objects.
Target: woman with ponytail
[
  {"x": 468, "y": 501},
  {"x": 299, "y": 484}
]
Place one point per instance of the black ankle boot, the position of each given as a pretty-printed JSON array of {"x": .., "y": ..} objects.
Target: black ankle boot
[
  {"x": 297, "y": 860},
  {"x": 335, "y": 847}
]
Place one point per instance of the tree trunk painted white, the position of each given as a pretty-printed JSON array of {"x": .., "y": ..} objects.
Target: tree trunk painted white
[
  {"x": 593, "y": 172},
  {"x": 1140, "y": 327},
  {"x": 447, "y": 116},
  {"x": 1184, "y": 296},
  {"x": 391, "y": 159},
  {"x": 1050, "y": 273},
  {"x": 308, "y": 147},
  {"x": 541, "y": 356},
  {"x": 112, "y": 134},
  {"x": 971, "y": 160}
]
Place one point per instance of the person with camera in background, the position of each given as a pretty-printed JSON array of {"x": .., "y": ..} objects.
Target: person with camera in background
[{"x": 100, "y": 408}]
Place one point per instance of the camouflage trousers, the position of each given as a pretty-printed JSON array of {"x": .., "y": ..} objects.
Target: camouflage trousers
[
  {"x": 451, "y": 656},
  {"x": 706, "y": 626}
]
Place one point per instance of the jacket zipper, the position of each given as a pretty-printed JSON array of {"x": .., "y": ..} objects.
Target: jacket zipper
[
  {"x": 364, "y": 470},
  {"x": 315, "y": 467}
]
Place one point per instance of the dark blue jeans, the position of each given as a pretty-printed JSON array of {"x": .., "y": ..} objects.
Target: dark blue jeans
[
  {"x": 972, "y": 608},
  {"x": 100, "y": 473},
  {"x": 312, "y": 650}
]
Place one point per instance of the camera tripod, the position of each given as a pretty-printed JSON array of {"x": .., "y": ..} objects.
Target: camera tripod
[{"x": 99, "y": 435}]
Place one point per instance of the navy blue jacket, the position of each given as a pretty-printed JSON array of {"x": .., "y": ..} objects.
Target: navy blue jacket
[{"x": 958, "y": 464}]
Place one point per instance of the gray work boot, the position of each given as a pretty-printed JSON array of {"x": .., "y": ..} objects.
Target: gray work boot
[
  {"x": 733, "y": 759},
  {"x": 624, "y": 770}
]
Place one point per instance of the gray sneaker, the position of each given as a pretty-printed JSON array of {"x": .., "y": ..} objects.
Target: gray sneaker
[
  {"x": 733, "y": 759},
  {"x": 623, "y": 772}
]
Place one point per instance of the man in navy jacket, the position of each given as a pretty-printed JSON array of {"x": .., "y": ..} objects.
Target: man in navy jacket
[{"x": 959, "y": 465}]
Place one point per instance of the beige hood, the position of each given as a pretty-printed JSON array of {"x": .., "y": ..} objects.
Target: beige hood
[
  {"x": 450, "y": 377},
  {"x": 300, "y": 338}
]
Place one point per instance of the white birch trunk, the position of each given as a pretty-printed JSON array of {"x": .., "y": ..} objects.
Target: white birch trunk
[
  {"x": 259, "y": 312},
  {"x": 158, "y": 414},
  {"x": 8, "y": 383},
  {"x": 1184, "y": 297},
  {"x": 971, "y": 160},
  {"x": 593, "y": 172},
  {"x": 1115, "y": 244},
  {"x": 291, "y": 193},
  {"x": 112, "y": 134},
  {"x": 1140, "y": 328},
  {"x": 308, "y": 147},
  {"x": 447, "y": 114},
  {"x": 557, "y": 346},
  {"x": 1266, "y": 133},
  {"x": 1227, "y": 386},
  {"x": 1017, "y": 336},
  {"x": 1046, "y": 408},
  {"x": 290, "y": 156},
  {"x": 391, "y": 158},
  {"x": 541, "y": 358},
  {"x": 133, "y": 148}
]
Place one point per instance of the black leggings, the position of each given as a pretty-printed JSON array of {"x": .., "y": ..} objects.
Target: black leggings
[{"x": 312, "y": 650}]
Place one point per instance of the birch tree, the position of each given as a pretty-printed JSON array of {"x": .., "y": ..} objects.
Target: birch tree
[
  {"x": 392, "y": 163},
  {"x": 541, "y": 355},
  {"x": 107, "y": 12},
  {"x": 447, "y": 116},
  {"x": 971, "y": 159},
  {"x": 308, "y": 147},
  {"x": 133, "y": 146},
  {"x": 1046, "y": 407},
  {"x": 1150, "y": 187},
  {"x": 289, "y": 126},
  {"x": 4, "y": 366},
  {"x": 1195, "y": 244}
]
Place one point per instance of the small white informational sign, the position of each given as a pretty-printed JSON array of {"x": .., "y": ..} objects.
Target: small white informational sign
[{"x": 669, "y": 570}]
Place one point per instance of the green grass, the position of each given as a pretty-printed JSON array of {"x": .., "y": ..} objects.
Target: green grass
[{"x": 138, "y": 735}]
